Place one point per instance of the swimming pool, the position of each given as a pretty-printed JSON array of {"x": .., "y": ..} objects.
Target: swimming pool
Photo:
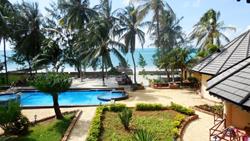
[{"x": 68, "y": 98}]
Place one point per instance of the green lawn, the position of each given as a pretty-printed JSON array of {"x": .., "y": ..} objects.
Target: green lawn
[
  {"x": 162, "y": 124},
  {"x": 48, "y": 131}
]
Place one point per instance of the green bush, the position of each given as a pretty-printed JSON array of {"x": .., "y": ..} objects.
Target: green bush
[
  {"x": 12, "y": 121},
  {"x": 117, "y": 107},
  {"x": 96, "y": 125},
  {"x": 53, "y": 84},
  {"x": 143, "y": 135},
  {"x": 182, "y": 109},
  {"x": 125, "y": 117},
  {"x": 149, "y": 107}
]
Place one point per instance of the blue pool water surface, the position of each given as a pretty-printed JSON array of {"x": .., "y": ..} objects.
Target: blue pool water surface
[{"x": 69, "y": 98}]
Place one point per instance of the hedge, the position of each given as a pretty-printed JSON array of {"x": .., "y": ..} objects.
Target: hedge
[
  {"x": 182, "y": 109},
  {"x": 149, "y": 107},
  {"x": 96, "y": 125}
]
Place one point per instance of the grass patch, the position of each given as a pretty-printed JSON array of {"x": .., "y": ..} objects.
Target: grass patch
[
  {"x": 52, "y": 130},
  {"x": 162, "y": 124}
]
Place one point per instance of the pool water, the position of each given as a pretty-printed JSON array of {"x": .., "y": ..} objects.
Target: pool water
[{"x": 69, "y": 98}]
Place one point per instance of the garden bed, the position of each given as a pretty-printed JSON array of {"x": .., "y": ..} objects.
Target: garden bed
[
  {"x": 48, "y": 129},
  {"x": 210, "y": 109},
  {"x": 164, "y": 123}
]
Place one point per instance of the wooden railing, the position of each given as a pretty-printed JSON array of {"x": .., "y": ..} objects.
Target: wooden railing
[{"x": 216, "y": 128}]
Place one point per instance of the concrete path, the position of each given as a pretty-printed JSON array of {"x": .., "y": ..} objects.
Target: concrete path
[
  {"x": 198, "y": 130},
  {"x": 80, "y": 131}
]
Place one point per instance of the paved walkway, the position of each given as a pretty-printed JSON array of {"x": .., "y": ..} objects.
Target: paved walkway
[
  {"x": 198, "y": 130},
  {"x": 80, "y": 131}
]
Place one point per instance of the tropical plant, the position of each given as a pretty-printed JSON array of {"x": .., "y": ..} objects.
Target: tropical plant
[
  {"x": 53, "y": 84},
  {"x": 28, "y": 36},
  {"x": 50, "y": 54},
  {"x": 125, "y": 117},
  {"x": 157, "y": 7},
  {"x": 77, "y": 13},
  {"x": 142, "y": 63},
  {"x": 209, "y": 30},
  {"x": 182, "y": 59},
  {"x": 102, "y": 43},
  {"x": 6, "y": 10},
  {"x": 143, "y": 135},
  {"x": 12, "y": 121},
  {"x": 131, "y": 23}
]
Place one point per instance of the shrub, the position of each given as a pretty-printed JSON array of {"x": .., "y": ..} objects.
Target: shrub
[
  {"x": 182, "y": 109},
  {"x": 143, "y": 135},
  {"x": 125, "y": 117},
  {"x": 95, "y": 127},
  {"x": 117, "y": 107},
  {"x": 53, "y": 84},
  {"x": 12, "y": 121},
  {"x": 149, "y": 107}
]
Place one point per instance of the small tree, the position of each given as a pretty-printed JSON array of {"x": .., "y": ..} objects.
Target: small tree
[
  {"x": 53, "y": 84},
  {"x": 142, "y": 63}
]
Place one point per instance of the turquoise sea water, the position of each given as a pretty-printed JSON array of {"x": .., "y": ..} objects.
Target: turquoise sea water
[{"x": 146, "y": 52}]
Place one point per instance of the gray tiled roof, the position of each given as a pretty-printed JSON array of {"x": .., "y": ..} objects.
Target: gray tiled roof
[
  {"x": 233, "y": 84},
  {"x": 235, "y": 51}
]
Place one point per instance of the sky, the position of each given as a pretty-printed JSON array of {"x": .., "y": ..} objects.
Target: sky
[{"x": 233, "y": 13}]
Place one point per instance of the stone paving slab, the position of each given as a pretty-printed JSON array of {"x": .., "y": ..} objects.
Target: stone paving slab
[
  {"x": 198, "y": 130},
  {"x": 80, "y": 131}
]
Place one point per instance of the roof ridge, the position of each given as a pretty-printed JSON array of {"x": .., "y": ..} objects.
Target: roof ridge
[
  {"x": 233, "y": 41},
  {"x": 236, "y": 71},
  {"x": 231, "y": 53},
  {"x": 247, "y": 53}
]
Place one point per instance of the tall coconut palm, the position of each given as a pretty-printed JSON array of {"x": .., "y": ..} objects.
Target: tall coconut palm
[
  {"x": 6, "y": 10},
  {"x": 77, "y": 13},
  {"x": 28, "y": 35},
  {"x": 131, "y": 23},
  {"x": 103, "y": 46},
  {"x": 102, "y": 42},
  {"x": 209, "y": 30},
  {"x": 157, "y": 7}
]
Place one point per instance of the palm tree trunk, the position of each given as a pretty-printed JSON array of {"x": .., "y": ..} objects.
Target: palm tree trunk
[
  {"x": 158, "y": 27},
  {"x": 103, "y": 75},
  {"x": 182, "y": 70},
  {"x": 5, "y": 62},
  {"x": 57, "y": 107},
  {"x": 132, "y": 54}
]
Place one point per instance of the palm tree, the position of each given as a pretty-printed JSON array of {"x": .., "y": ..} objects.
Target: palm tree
[
  {"x": 102, "y": 46},
  {"x": 28, "y": 36},
  {"x": 131, "y": 24},
  {"x": 102, "y": 43},
  {"x": 51, "y": 54},
  {"x": 209, "y": 30},
  {"x": 77, "y": 13},
  {"x": 6, "y": 10},
  {"x": 157, "y": 7}
]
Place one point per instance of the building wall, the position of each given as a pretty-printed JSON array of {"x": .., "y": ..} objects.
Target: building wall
[
  {"x": 203, "y": 92},
  {"x": 236, "y": 116}
]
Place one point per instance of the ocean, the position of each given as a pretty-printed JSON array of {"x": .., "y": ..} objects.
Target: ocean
[{"x": 147, "y": 53}]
